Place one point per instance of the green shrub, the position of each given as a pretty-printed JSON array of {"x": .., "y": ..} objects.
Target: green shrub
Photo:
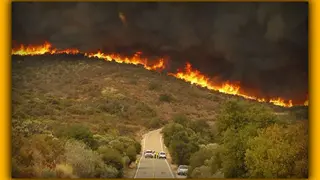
[
  {"x": 201, "y": 172},
  {"x": 154, "y": 123},
  {"x": 131, "y": 152},
  {"x": 112, "y": 157},
  {"x": 143, "y": 110},
  {"x": 181, "y": 151},
  {"x": 181, "y": 119},
  {"x": 29, "y": 127},
  {"x": 165, "y": 98},
  {"x": 169, "y": 130},
  {"x": 107, "y": 171},
  {"x": 35, "y": 153},
  {"x": 103, "y": 139},
  {"x": 279, "y": 152},
  {"x": 206, "y": 156},
  {"x": 82, "y": 133},
  {"x": 238, "y": 121},
  {"x": 117, "y": 145},
  {"x": 138, "y": 147},
  {"x": 83, "y": 160}
]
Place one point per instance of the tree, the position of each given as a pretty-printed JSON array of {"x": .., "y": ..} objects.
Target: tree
[
  {"x": 169, "y": 130},
  {"x": 112, "y": 157},
  {"x": 82, "y": 133},
  {"x": 181, "y": 119},
  {"x": 279, "y": 152},
  {"x": 83, "y": 160},
  {"x": 131, "y": 152},
  {"x": 202, "y": 157},
  {"x": 180, "y": 152},
  {"x": 237, "y": 114},
  {"x": 237, "y": 122}
]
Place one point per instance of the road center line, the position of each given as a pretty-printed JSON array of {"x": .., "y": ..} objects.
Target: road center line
[{"x": 143, "y": 148}]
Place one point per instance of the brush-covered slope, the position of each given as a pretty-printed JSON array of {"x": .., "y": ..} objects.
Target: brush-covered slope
[{"x": 66, "y": 110}]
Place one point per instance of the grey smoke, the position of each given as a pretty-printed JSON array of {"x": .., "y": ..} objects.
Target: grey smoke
[{"x": 262, "y": 45}]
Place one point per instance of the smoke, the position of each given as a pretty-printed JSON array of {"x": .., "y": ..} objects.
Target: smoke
[{"x": 262, "y": 45}]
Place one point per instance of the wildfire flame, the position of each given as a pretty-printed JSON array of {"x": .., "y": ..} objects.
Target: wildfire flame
[
  {"x": 195, "y": 77},
  {"x": 188, "y": 74},
  {"x": 136, "y": 60},
  {"x": 46, "y": 48}
]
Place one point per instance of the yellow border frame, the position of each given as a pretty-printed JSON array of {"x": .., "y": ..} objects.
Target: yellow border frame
[{"x": 5, "y": 96}]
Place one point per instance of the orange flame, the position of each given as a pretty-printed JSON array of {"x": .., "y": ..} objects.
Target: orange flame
[
  {"x": 32, "y": 50},
  {"x": 195, "y": 77},
  {"x": 136, "y": 60},
  {"x": 46, "y": 48},
  {"x": 189, "y": 75}
]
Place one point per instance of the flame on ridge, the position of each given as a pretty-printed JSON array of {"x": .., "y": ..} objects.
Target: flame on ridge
[
  {"x": 189, "y": 75},
  {"x": 195, "y": 77}
]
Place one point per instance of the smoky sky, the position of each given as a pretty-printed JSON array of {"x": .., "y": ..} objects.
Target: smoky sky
[{"x": 264, "y": 46}]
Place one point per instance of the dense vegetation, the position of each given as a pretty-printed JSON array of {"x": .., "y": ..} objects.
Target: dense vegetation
[
  {"x": 69, "y": 109},
  {"x": 250, "y": 141},
  {"x": 74, "y": 153},
  {"x": 74, "y": 117}
]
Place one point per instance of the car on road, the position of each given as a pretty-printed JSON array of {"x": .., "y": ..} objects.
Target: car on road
[
  {"x": 182, "y": 170},
  {"x": 148, "y": 154},
  {"x": 162, "y": 155}
]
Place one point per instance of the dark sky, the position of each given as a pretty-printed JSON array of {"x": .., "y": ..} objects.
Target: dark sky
[{"x": 262, "y": 45}]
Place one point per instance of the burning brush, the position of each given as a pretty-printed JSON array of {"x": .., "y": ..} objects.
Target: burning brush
[{"x": 188, "y": 74}]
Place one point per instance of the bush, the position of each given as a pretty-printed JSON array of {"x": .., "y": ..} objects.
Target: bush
[
  {"x": 237, "y": 114},
  {"x": 169, "y": 130},
  {"x": 165, "y": 98},
  {"x": 131, "y": 152},
  {"x": 238, "y": 123},
  {"x": 103, "y": 139},
  {"x": 181, "y": 119},
  {"x": 112, "y": 157},
  {"x": 154, "y": 123},
  {"x": 106, "y": 171},
  {"x": 181, "y": 151},
  {"x": 138, "y": 147},
  {"x": 208, "y": 155},
  {"x": 83, "y": 160},
  {"x": 279, "y": 152},
  {"x": 201, "y": 172},
  {"x": 117, "y": 145},
  {"x": 34, "y": 154},
  {"x": 82, "y": 133}
]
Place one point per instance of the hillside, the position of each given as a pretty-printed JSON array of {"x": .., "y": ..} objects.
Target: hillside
[{"x": 58, "y": 96}]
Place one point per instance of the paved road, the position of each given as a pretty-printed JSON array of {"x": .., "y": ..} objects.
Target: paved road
[{"x": 153, "y": 168}]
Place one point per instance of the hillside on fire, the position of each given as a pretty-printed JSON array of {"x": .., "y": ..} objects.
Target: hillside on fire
[
  {"x": 218, "y": 88},
  {"x": 79, "y": 117}
]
